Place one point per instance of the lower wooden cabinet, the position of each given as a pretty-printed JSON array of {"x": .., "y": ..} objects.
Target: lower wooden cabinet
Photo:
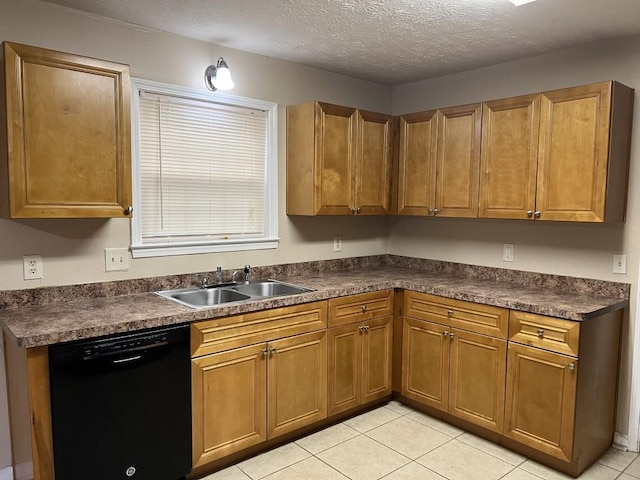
[
  {"x": 456, "y": 371},
  {"x": 359, "y": 363}
]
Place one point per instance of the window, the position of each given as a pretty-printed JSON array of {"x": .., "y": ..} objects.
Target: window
[{"x": 204, "y": 170}]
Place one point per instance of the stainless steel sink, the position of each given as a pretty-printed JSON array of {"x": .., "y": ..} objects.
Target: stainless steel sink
[
  {"x": 270, "y": 288},
  {"x": 218, "y": 295}
]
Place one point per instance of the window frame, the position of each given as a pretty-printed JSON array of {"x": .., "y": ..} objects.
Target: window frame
[{"x": 270, "y": 240}]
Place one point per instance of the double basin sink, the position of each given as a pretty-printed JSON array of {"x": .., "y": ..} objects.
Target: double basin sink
[{"x": 210, "y": 296}]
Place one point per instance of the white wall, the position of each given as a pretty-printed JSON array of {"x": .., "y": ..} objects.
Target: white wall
[
  {"x": 567, "y": 249},
  {"x": 72, "y": 250}
]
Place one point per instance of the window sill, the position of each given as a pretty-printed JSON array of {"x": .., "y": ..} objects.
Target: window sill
[{"x": 170, "y": 249}]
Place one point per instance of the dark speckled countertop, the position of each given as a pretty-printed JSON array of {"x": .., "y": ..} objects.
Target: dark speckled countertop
[{"x": 45, "y": 323}]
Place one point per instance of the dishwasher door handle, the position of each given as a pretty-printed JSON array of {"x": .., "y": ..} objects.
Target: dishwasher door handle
[{"x": 127, "y": 360}]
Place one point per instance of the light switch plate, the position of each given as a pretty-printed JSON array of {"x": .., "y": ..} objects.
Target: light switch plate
[
  {"x": 508, "y": 252},
  {"x": 337, "y": 243},
  {"x": 116, "y": 259}
]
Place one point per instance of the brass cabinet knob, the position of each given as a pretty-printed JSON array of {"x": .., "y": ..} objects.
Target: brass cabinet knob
[
  {"x": 540, "y": 332},
  {"x": 128, "y": 210}
]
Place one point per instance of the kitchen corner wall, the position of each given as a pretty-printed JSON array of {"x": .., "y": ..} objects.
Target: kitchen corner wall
[
  {"x": 72, "y": 250},
  {"x": 579, "y": 250}
]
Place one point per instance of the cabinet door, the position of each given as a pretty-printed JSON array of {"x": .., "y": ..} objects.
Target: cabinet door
[
  {"x": 229, "y": 402},
  {"x": 417, "y": 163},
  {"x": 373, "y": 163},
  {"x": 477, "y": 379},
  {"x": 540, "y": 402},
  {"x": 297, "y": 382},
  {"x": 377, "y": 339},
  {"x": 458, "y": 161},
  {"x": 345, "y": 359},
  {"x": 69, "y": 136},
  {"x": 335, "y": 157},
  {"x": 425, "y": 363},
  {"x": 574, "y": 150},
  {"x": 509, "y": 157}
]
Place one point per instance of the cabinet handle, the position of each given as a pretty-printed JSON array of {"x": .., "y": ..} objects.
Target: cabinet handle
[
  {"x": 449, "y": 313},
  {"x": 128, "y": 210},
  {"x": 366, "y": 328},
  {"x": 361, "y": 328},
  {"x": 431, "y": 211},
  {"x": 364, "y": 308},
  {"x": 264, "y": 352},
  {"x": 572, "y": 366},
  {"x": 435, "y": 211},
  {"x": 272, "y": 350},
  {"x": 445, "y": 334},
  {"x": 355, "y": 210},
  {"x": 540, "y": 332},
  {"x": 451, "y": 335},
  {"x": 536, "y": 214},
  {"x": 529, "y": 213}
]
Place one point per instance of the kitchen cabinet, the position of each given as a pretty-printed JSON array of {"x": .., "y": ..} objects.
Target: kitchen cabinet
[
  {"x": 338, "y": 160},
  {"x": 561, "y": 155},
  {"x": 454, "y": 357},
  {"x": 65, "y": 137},
  {"x": 360, "y": 349},
  {"x": 439, "y": 161},
  {"x": 257, "y": 376},
  {"x": 575, "y": 364}
]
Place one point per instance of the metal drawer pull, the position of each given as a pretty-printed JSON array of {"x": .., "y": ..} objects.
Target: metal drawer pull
[
  {"x": 366, "y": 328},
  {"x": 572, "y": 366},
  {"x": 272, "y": 350},
  {"x": 264, "y": 352},
  {"x": 449, "y": 313},
  {"x": 364, "y": 308},
  {"x": 540, "y": 333},
  {"x": 536, "y": 214},
  {"x": 529, "y": 213},
  {"x": 451, "y": 335},
  {"x": 445, "y": 334},
  {"x": 361, "y": 328}
]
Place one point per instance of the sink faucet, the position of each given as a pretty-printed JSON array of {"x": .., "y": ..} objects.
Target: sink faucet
[
  {"x": 219, "y": 275},
  {"x": 205, "y": 280},
  {"x": 247, "y": 274}
]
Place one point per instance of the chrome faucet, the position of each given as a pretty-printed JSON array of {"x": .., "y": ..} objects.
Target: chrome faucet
[
  {"x": 247, "y": 274},
  {"x": 219, "y": 275},
  {"x": 205, "y": 279}
]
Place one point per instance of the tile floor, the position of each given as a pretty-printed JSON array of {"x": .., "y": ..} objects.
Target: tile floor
[{"x": 395, "y": 442}]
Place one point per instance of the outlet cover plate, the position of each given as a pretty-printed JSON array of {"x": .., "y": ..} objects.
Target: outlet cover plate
[
  {"x": 620, "y": 264},
  {"x": 32, "y": 267}
]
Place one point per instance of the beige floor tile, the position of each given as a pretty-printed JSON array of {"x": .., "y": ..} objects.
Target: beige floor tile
[
  {"x": 408, "y": 437},
  {"x": 519, "y": 474},
  {"x": 370, "y": 420},
  {"x": 231, "y": 473},
  {"x": 458, "y": 461},
  {"x": 595, "y": 472},
  {"x": 272, "y": 461},
  {"x": 617, "y": 459},
  {"x": 362, "y": 458},
  {"x": 399, "y": 408},
  {"x": 309, "y": 469},
  {"x": 492, "y": 449},
  {"x": 624, "y": 476},
  {"x": 634, "y": 468},
  {"x": 413, "y": 471},
  {"x": 327, "y": 438},
  {"x": 436, "y": 424}
]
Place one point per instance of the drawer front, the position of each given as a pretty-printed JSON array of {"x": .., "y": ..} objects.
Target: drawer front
[
  {"x": 474, "y": 317},
  {"x": 220, "y": 334},
  {"x": 550, "y": 333},
  {"x": 356, "y": 308}
]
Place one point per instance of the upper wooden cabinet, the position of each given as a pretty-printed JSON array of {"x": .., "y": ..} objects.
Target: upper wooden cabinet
[
  {"x": 65, "y": 136},
  {"x": 561, "y": 155},
  {"x": 439, "y": 158},
  {"x": 338, "y": 160}
]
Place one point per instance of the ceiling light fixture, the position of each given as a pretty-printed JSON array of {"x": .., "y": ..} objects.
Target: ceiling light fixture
[
  {"x": 218, "y": 77},
  {"x": 517, "y": 3}
]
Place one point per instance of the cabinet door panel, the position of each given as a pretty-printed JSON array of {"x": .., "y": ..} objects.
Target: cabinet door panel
[
  {"x": 229, "y": 402},
  {"x": 335, "y": 150},
  {"x": 425, "y": 363},
  {"x": 344, "y": 368},
  {"x": 477, "y": 379},
  {"x": 373, "y": 163},
  {"x": 458, "y": 161},
  {"x": 297, "y": 382},
  {"x": 377, "y": 339},
  {"x": 509, "y": 157},
  {"x": 417, "y": 163},
  {"x": 574, "y": 148},
  {"x": 540, "y": 402}
]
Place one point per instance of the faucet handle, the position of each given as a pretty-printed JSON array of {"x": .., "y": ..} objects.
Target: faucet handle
[
  {"x": 205, "y": 282},
  {"x": 247, "y": 274}
]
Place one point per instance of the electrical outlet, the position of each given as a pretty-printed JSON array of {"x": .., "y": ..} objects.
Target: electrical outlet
[
  {"x": 508, "y": 252},
  {"x": 116, "y": 259},
  {"x": 619, "y": 264},
  {"x": 337, "y": 243},
  {"x": 32, "y": 267}
]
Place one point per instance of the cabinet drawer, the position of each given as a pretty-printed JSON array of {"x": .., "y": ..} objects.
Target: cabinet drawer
[
  {"x": 554, "y": 334},
  {"x": 356, "y": 308},
  {"x": 475, "y": 317},
  {"x": 221, "y": 334}
]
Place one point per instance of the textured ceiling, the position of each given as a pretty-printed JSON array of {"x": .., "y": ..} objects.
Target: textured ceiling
[{"x": 385, "y": 41}]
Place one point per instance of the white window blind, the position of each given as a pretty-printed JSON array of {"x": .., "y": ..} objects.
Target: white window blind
[{"x": 203, "y": 170}]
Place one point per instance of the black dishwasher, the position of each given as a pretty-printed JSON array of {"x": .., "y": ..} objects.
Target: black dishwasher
[{"x": 121, "y": 406}]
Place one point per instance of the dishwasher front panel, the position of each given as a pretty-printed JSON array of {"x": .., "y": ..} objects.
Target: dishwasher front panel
[{"x": 121, "y": 407}]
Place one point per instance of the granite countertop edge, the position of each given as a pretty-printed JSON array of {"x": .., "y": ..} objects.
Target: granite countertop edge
[{"x": 49, "y": 324}]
